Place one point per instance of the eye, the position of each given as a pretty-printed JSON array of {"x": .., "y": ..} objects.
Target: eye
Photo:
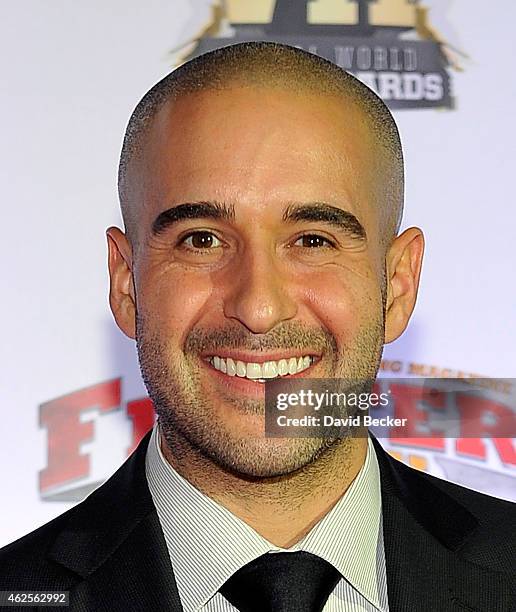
[
  {"x": 201, "y": 240},
  {"x": 313, "y": 241}
]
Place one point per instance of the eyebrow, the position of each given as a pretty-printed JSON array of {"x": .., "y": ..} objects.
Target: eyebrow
[
  {"x": 193, "y": 210},
  {"x": 312, "y": 211},
  {"x": 325, "y": 213}
]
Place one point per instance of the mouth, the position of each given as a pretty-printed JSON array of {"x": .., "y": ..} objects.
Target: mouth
[{"x": 258, "y": 368}]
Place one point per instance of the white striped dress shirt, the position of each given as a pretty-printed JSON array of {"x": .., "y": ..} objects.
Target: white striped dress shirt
[{"x": 207, "y": 543}]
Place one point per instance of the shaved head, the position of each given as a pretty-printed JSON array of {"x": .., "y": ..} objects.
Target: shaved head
[{"x": 265, "y": 65}]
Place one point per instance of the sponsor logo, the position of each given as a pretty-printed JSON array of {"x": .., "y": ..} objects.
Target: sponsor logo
[
  {"x": 388, "y": 44},
  {"x": 72, "y": 423}
]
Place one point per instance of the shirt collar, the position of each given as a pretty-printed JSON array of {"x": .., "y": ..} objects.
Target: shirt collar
[
  {"x": 207, "y": 543},
  {"x": 350, "y": 536}
]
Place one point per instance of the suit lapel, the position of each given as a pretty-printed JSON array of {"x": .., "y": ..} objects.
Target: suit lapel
[
  {"x": 423, "y": 530},
  {"x": 113, "y": 541},
  {"x": 137, "y": 576}
]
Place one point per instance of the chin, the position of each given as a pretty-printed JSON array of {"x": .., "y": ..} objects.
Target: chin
[{"x": 268, "y": 458}]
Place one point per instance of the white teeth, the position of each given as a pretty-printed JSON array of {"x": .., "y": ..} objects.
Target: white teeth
[
  {"x": 270, "y": 369},
  {"x": 254, "y": 370},
  {"x": 292, "y": 365},
  {"x": 241, "y": 370},
  {"x": 230, "y": 366},
  {"x": 282, "y": 367},
  {"x": 261, "y": 371}
]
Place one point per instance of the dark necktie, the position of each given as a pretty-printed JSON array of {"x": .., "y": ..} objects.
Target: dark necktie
[{"x": 282, "y": 582}]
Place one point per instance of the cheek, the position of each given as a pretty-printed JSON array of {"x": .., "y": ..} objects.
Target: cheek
[
  {"x": 175, "y": 301},
  {"x": 343, "y": 301}
]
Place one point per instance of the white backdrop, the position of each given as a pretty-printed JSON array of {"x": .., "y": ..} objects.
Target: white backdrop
[{"x": 72, "y": 73}]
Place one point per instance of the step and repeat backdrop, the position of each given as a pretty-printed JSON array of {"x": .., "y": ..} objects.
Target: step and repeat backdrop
[{"x": 72, "y": 402}]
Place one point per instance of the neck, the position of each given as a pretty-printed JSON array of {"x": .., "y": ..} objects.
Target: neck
[{"x": 281, "y": 509}]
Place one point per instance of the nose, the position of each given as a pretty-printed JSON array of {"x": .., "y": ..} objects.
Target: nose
[{"x": 259, "y": 296}]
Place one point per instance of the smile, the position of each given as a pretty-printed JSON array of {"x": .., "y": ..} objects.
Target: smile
[{"x": 260, "y": 372}]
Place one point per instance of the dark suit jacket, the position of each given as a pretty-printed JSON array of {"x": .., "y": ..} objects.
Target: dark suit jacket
[{"x": 447, "y": 548}]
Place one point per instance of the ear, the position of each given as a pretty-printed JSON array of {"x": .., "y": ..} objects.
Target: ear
[
  {"x": 121, "y": 284},
  {"x": 403, "y": 264}
]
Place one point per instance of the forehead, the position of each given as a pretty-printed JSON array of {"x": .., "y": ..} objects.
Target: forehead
[{"x": 258, "y": 146}]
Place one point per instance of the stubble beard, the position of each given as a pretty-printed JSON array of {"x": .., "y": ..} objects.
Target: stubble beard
[{"x": 186, "y": 415}]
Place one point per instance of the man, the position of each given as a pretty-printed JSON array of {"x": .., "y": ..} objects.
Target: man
[{"x": 261, "y": 190}]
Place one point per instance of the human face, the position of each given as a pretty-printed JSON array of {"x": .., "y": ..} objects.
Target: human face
[{"x": 258, "y": 241}]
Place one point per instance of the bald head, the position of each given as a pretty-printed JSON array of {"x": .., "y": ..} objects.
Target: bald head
[{"x": 265, "y": 65}]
